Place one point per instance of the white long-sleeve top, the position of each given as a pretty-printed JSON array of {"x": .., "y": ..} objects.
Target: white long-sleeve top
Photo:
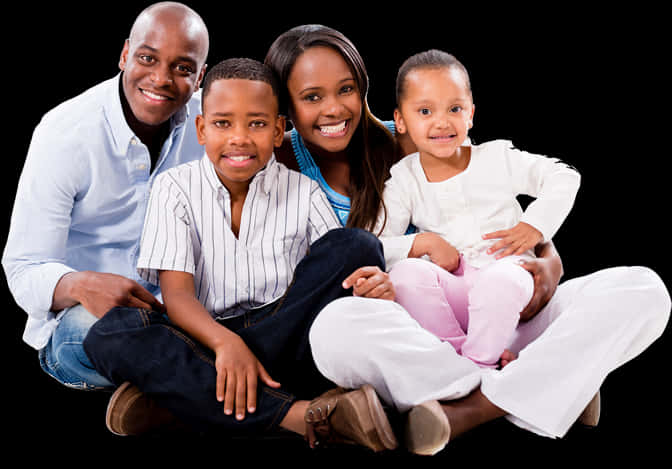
[{"x": 480, "y": 200}]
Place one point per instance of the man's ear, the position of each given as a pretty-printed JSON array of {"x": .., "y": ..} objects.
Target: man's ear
[{"x": 124, "y": 56}]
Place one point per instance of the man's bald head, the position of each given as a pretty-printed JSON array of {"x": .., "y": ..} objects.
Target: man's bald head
[
  {"x": 163, "y": 62},
  {"x": 171, "y": 14}
]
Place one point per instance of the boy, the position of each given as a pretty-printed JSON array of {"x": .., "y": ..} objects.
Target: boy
[{"x": 224, "y": 236}]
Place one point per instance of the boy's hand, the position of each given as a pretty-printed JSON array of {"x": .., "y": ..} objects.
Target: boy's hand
[
  {"x": 370, "y": 282},
  {"x": 515, "y": 241},
  {"x": 237, "y": 372}
]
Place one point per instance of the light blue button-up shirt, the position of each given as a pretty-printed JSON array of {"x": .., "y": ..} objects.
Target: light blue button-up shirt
[{"x": 81, "y": 198}]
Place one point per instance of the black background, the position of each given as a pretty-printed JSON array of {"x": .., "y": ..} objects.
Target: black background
[{"x": 585, "y": 86}]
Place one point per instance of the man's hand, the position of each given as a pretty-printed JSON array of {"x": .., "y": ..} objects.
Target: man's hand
[
  {"x": 370, "y": 282},
  {"x": 517, "y": 240},
  {"x": 546, "y": 279},
  {"x": 99, "y": 292}
]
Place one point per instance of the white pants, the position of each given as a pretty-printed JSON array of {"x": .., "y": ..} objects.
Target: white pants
[{"x": 591, "y": 326}]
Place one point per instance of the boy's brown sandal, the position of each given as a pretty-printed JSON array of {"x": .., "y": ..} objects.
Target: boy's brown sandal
[
  {"x": 353, "y": 417},
  {"x": 130, "y": 412}
]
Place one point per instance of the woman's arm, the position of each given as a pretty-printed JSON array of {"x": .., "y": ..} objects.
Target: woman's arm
[{"x": 547, "y": 271}]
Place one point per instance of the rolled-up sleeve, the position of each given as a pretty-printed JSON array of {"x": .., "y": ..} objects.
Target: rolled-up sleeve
[{"x": 34, "y": 256}]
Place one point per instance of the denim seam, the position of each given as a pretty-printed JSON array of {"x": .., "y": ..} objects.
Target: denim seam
[
  {"x": 191, "y": 344},
  {"x": 287, "y": 399}
]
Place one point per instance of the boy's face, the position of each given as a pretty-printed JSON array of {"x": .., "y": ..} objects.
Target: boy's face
[
  {"x": 436, "y": 110},
  {"x": 239, "y": 128}
]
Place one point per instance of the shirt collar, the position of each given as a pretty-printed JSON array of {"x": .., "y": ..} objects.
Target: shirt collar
[
  {"x": 122, "y": 134},
  {"x": 266, "y": 178}
]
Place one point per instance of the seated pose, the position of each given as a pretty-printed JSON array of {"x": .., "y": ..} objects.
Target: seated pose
[
  {"x": 471, "y": 292},
  {"x": 246, "y": 253}
]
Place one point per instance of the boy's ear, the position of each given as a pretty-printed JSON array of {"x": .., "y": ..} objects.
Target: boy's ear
[
  {"x": 200, "y": 129},
  {"x": 279, "y": 130},
  {"x": 399, "y": 121}
]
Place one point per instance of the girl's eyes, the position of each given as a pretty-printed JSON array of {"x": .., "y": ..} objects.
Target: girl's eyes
[
  {"x": 427, "y": 112},
  {"x": 315, "y": 97}
]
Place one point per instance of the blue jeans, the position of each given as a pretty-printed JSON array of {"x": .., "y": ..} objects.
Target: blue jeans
[
  {"x": 64, "y": 358},
  {"x": 143, "y": 347}
]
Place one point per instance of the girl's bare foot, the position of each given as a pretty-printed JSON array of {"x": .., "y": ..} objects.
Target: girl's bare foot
[{"x": 506, "y": 358}]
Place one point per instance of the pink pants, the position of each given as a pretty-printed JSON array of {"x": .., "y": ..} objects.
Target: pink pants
[{"x": 475, "y": 310}]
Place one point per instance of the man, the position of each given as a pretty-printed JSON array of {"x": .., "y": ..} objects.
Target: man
[{"x": 81, "y": 199}]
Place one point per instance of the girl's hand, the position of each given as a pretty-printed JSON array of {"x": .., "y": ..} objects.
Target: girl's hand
[
  {"x": 517, "y": 240},
  {"x": 370, "y": 282},
  {"x": 440, "y": 251},
  {"x": 237, "y": 372}
]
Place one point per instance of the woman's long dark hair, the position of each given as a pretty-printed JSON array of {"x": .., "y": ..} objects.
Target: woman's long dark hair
[{"x": 372, "y": 149}]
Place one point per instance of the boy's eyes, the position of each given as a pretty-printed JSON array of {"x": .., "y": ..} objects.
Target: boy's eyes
[{"x": 225, "y": 124}]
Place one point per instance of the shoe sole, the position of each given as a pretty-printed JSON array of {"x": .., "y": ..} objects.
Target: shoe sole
[
  {"x": 427, "y": 429},
  {"x": 114, "y": 425},
  {"x": 379, "y": 419}
]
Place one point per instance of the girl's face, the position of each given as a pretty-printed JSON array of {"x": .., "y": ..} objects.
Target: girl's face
[
  {"x": 326, "y": 105},
  {"x": 436, "y": 110}
]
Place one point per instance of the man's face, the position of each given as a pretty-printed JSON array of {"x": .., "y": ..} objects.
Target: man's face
[{"x": 163, "y": 64}]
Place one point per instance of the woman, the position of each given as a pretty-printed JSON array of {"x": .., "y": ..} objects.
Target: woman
[{"x": 575, "y": 335}]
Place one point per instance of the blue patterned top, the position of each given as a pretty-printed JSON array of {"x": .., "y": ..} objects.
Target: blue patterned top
[{"x": 340, "y": 203}]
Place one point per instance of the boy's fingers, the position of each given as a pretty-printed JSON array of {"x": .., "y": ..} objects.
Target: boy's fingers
[
  {"x": 230, "y": 395},
  {"x": 241, "y": 397},
  {"x": 221, "y": 385},
  {"x": 266, "y": 378},
  {"x": 251, "y": 392}
]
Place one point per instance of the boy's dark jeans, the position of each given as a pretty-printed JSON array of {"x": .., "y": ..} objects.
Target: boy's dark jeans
[{"x": 145, "y": 348}]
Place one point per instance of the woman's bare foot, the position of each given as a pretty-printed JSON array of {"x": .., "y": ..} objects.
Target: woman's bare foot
[
  {"x": 507, "y": 357},
  {"x": 470, "y": 412}
]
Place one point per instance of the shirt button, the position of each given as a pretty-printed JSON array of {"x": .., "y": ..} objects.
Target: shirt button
[{"x": 141, "y": 166}]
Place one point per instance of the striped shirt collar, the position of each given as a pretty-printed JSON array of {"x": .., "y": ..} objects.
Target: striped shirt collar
[{"x": 267, "y": 177}]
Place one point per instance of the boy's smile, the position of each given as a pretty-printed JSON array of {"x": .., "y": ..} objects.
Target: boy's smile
[{"x": 239, "y": 128}]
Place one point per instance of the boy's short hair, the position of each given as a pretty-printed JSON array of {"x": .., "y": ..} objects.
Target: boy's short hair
[
  {"x": 432, "y": 58},
  {"x": 241, "y": 68}
]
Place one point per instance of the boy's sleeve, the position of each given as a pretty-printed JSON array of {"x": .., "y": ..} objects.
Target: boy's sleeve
[
  {"x": 553, "y": 183},
  {"x": 396, "y": 244},
  {"x": 321, "y": 217},
  {"x": 166, "y": 235}
]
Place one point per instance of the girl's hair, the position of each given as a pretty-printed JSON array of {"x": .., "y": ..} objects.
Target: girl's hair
[
  {"x": 432, "y": 58},
  {"x": 372, "y": 149}
]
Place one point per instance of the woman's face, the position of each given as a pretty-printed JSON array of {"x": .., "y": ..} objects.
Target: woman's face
[{"x": 325, "y": 102}]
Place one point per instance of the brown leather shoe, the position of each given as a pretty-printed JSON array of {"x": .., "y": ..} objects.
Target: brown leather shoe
[
  {"x": 427, "y": 429},
  {"x": 355, "y": 417},
  {"x": 591, "y": 414},
  {"x": 130, "y": 412}
]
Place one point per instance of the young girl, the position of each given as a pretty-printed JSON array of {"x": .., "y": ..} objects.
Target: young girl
[{"x": 472, "y": 291}]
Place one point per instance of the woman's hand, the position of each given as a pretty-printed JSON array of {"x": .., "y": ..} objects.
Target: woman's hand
[
  {"x": 546, "y": 271},
  {"x": 370, "y": 282}
]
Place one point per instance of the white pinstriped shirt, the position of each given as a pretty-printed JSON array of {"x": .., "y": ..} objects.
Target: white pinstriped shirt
[{"x": 188, "y": 228}]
